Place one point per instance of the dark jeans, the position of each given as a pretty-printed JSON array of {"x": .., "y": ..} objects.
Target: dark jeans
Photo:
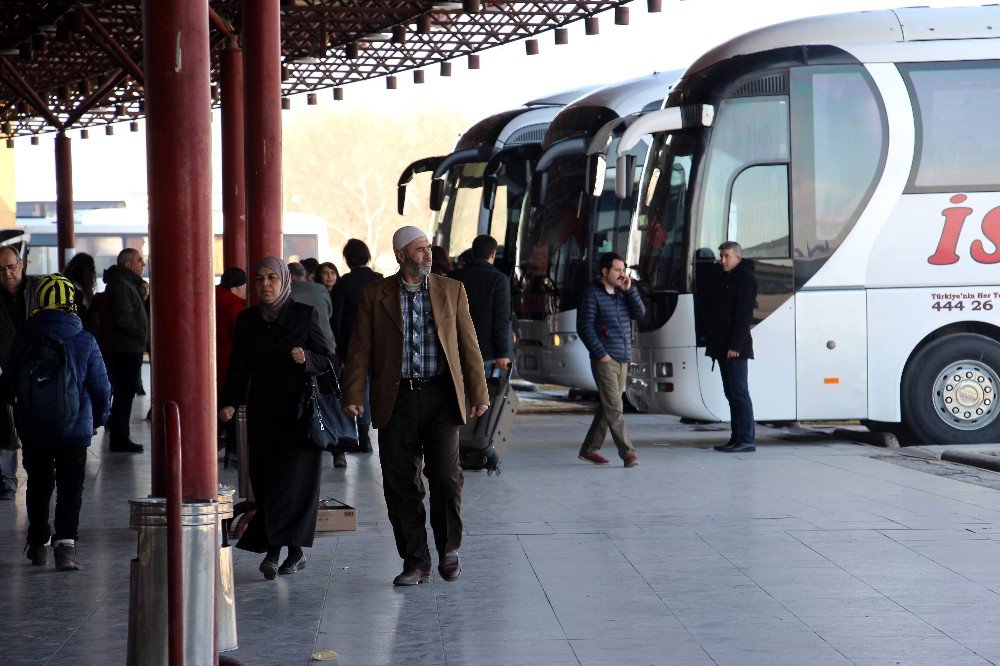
[
  {"x": 422, "y": 434},
  {"x": 124, "y": 383},
  {"x": 735, "y": 386},
  {"x": 62, "y": 467}
]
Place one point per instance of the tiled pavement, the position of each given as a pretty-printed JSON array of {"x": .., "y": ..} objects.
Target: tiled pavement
[{"x": 810, "y": 551}]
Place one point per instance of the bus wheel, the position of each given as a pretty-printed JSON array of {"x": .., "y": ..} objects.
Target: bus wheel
[{"x": 950, "y": 390}]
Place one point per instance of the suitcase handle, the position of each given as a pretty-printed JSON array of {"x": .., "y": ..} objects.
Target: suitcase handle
[{"x": 510, "y": 372}]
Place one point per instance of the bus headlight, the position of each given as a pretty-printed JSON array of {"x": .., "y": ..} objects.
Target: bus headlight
[
  {"x": 563, "y": 339},
  {"x": 664, "y": 369}
]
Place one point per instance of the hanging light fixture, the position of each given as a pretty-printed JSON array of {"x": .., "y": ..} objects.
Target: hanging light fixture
[
  {"x": 473, "y": 61},
  {"x": 133, "y": 126},
  {"x": 34, "y": 140},
  {"x": 562, "y": 36},
  {"x": 592, "y": 26},
  {"x": 531, "y": 46},
  {"x": 338, "y": 94},
  {"x": 84, "y": 134},
  {"x": 621, "y": 15},
  {"x": 351, "y": 51},
  {"x": 109, "y": 130},
  {"x": 399, "y": 34},
  {"x": 311, "y": 99},
  {"x": 418, "y": 76},
  {"x": 390, "y": 82},
  {"x": 446, "y": 69},
  {"x": 654, "y": 6},
  {"x": 286, "y": 104}
]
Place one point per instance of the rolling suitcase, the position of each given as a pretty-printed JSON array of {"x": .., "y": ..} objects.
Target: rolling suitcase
[{"x": 482, "y": 440}]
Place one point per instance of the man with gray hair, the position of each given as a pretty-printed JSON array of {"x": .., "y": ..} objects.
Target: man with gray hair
[
  {"x": 729, "y": 342},
  {"x": 127, "y": 333},
  {"x": 17, "y": 300},
  {"x": 414, "y": 336}
]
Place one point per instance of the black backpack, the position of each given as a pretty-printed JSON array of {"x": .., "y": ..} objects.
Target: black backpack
[{"x": 47, "y": 404}]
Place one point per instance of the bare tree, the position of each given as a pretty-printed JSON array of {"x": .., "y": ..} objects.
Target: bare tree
[{"x": 344, "y": 165}]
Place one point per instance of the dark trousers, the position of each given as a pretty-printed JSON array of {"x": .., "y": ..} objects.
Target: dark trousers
[
  {"x": 422, "y": 434},
  {"x": 124, "y": 383},
  {"x": 735, "y": 386},
  {"x": 60, "y": 467}
]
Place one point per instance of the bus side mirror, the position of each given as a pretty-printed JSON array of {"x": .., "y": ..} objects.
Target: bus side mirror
[
  {"x": 539, "y": 181},
  {"x": 401, "y": 199},
  {"x": 594, "y": 179},
  {"x": 437, "y": 193},
  {"x": 625, "y": 176},
  {"x": 489, "y": 193}
]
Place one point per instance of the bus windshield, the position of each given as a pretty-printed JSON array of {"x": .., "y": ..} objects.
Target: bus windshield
[
  {"x": 457, "y": 223},
  {"x": 563, "y": 238},
  {"x": 657, "y": 250}
]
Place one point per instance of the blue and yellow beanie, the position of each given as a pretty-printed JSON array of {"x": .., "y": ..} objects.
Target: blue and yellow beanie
[{"x": 55, "y": 292}]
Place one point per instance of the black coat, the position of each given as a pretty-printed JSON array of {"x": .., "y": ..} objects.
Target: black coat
[
  {"x": 126, "y": 324},
  {"x": 730, "y": 312},
  {"x": 345, "y": 295},
  {"x": 489, "y": 304},
  {"x": 285, "y": 476}
]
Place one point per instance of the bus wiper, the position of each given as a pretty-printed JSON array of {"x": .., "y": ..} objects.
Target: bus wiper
[{"x": 420, "y": 166}]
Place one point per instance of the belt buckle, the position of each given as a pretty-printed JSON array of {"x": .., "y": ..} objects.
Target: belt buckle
[{"x": 413, "y": 384}]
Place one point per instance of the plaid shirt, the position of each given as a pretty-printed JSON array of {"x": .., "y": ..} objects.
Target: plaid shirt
[{"x": 422, "y": 352}]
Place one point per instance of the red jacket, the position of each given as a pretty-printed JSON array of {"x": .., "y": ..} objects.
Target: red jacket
[{"x": 227, "y": 306}]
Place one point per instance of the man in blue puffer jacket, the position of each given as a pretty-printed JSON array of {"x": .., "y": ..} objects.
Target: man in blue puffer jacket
[
  {"x": 604, "y": 321},
  {"x": 59, "y": 461}
]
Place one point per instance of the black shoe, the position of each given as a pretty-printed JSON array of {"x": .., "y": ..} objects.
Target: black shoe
[
  {"x": 39, "y": 555},
  {"x": 740, "y": 448},
  {"x": 725, "y": 447},
  {"x": 66, "y": 559},
  {"x": 450, "y": 567},
  {"x": 412, "y": 577},
  {"x": 127, "y": 447},
  {"x": 290, "y": 567},
  {"x": 8, "y": 493},
  {"x": 141, "y": 390},
  {"x": 269, "y": 569},
  {"x": 340, "y": 460}
]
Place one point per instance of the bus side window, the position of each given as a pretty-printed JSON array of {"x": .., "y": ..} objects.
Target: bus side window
[{"x": 758, "y": 211}]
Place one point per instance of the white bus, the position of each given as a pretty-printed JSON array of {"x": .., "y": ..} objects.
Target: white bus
[
  {"x": 104, "y": 232},
  {"x": 564, "y": 232},
  {"x": 856, "y": 158},
  {"x": 480, "y": 188}
]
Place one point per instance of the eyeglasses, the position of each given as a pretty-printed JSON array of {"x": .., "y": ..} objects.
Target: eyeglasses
[{"x": 10, "y": 268}]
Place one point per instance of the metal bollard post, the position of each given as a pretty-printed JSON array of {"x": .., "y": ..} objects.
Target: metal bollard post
[
  {"x": 225, "y": 593},
  {"x": 243, "y": 455}
]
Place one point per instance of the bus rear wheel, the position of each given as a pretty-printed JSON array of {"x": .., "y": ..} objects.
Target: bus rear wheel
[{"x": 950, "y": 390}]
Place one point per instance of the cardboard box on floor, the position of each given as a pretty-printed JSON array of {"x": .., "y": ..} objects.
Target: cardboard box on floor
[{"x": 335, "y": 516}]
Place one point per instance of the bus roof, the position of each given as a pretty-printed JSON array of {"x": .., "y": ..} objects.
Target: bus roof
[
  {"x": 886, "y": 26},
  {"x": 587, "y": 114}
]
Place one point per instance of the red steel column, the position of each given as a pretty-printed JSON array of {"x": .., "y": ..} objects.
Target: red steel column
[
  {"x": 65, "y": 240},
  {"x": 234, "y": 206},
  {"x": 179, "y": 174},
  {"x": 262, "y": 77}
]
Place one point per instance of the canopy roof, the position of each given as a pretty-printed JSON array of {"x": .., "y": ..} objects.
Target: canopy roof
[{"x": 70, "y": 64}]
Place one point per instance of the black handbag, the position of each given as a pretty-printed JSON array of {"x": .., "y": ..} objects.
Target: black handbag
[{"x": 316, "y": 425}]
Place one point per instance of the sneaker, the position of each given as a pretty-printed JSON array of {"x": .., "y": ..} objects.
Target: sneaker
[
  {"x": 66, "y": 557},
  {"x": 632, "y": 461},
  {"x": 340, "y": 460},
  {"x": 595, "y": 458},
  {"x": 39, "y": 555}
]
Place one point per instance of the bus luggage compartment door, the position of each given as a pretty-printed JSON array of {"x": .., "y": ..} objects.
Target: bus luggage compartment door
[{"x": 831, "y": 350}]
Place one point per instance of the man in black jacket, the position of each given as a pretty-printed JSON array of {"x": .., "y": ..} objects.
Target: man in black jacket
[
  {"x": 730, "y": 342},
  {"x": 489, "y": 302},
  {"x": 127, "y": 329},
  {"x": 17, "y": 301},
  {"x": 345, "y": 295}
]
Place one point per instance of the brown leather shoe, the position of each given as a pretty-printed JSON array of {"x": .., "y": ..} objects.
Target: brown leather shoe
[
  {"x": 412, "y": 577},
  {"x": 450, "y": 567}
]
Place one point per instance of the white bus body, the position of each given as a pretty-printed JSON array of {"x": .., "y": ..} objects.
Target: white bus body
[
  {"x": 564, "y": 233},
  {"x": 856, "y": 158}
]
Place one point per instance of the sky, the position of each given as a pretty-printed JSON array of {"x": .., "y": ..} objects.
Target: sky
[{"x": 113, "y": 167}]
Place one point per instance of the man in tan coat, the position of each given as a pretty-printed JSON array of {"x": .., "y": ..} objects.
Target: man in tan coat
[{"x": 414, "y": 334}]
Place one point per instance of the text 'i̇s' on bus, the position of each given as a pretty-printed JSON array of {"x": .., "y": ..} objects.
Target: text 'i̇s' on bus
[{"x": 856, "y": 159}]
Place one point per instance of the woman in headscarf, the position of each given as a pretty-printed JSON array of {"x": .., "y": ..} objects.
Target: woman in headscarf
[{"x": 277, "y": 345}]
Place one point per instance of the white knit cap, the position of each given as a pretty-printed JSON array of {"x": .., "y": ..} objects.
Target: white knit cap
[{"x": 406, "y": 235}]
